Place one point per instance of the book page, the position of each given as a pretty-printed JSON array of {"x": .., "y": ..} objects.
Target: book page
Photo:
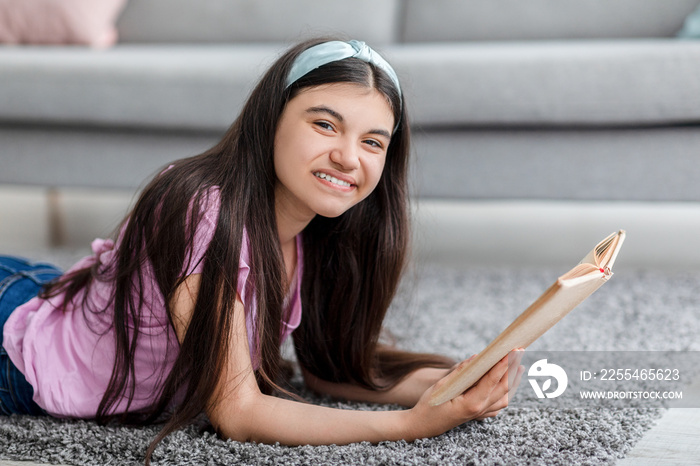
[{"x": 605, "y": 252}]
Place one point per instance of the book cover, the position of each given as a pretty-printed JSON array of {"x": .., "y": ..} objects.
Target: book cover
[{"x": 558, "y": 300}]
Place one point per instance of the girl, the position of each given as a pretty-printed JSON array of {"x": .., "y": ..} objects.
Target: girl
[{"x": 301, "y": 206}]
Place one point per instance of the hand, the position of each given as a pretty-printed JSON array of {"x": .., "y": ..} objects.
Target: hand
[{"x": 485, "y": 399}]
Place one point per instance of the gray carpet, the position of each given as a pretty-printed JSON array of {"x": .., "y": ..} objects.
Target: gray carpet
[{"x": 456, "y": 312}]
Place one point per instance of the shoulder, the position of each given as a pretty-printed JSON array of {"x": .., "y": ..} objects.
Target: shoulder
[
  {"x": 204, "y": 226},
  {"x": 210, "y": 202},
  {"x": 209, "y": 205}
]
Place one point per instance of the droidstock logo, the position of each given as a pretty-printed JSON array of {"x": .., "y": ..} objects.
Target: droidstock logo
[{"x": 542, "y": 369}]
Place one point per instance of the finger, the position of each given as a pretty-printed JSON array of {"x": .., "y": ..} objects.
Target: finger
[
  {"x": 502, "y": 391},
  {"x": 496, "y": 380},
  {"x": 498, "y": 387},
  {"x": 488, "y": 415},
  {"x": 500, "y": 404},
  {"x": 512, "y": 374},
  {"x": 501, "y": 368},
  {"x": 482, "y": 395},
  {"x": 489, "y": 389},
  {"x": 513, "y": 386},
  {"x": 495, "y": 407},
  {"x": 500, "y": 394},
  {"x": 515, "y": 357},
  {"x": 463, "y": 362},
  {"x": 518, "y": 378},
  {"x": 513, "y": 365}
]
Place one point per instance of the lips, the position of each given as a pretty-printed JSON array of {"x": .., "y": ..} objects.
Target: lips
[{"x": 333, "y": 179}]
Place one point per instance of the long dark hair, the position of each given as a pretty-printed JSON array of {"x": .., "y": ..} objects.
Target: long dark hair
[{"x": 364, "y": 250}]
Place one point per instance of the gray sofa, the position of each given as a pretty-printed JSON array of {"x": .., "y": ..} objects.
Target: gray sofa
[{"x": 563, "y": 99}]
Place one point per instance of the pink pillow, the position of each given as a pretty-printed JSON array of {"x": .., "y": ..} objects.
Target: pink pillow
[{"x": 86, "y": 22}]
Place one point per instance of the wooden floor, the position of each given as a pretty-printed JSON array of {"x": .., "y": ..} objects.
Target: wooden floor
[{"x": 675, "y": 439}]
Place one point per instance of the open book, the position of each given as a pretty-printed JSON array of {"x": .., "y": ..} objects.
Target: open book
[{"x": 565, "y": 294}]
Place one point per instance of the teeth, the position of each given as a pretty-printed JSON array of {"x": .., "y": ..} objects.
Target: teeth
[{"x": 332, "y": 179}]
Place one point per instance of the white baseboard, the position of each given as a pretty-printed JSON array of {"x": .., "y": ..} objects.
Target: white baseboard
[
  {"x": 517, "y": 233},
  {"x": 556, "y": 233}
]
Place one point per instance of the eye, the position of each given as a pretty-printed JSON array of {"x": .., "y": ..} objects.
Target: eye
[
  {"x": 325, "y": 125},
  {"x": 374, "y": 143}
]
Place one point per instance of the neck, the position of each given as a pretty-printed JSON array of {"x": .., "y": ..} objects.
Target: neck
[{"x": 290, "y": 222}]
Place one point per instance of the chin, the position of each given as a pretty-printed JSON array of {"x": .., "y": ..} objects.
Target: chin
[{"x": 332, "y": 211}]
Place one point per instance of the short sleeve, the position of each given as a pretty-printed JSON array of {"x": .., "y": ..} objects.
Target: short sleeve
[
  {"x": 208, "y": 214},
  {"x": 245, "y": 289}
]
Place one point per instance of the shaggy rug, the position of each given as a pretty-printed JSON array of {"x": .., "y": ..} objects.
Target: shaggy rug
[{"x": 455, "y": 311}]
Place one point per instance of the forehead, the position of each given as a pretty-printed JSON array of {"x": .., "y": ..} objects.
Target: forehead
[{"x": 355, "y": 99}]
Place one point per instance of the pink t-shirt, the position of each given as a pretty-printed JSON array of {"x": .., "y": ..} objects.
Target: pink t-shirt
[{"x": 67, "y": 355}]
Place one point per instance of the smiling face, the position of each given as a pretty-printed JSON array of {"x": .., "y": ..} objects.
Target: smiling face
[{"x": 330, "y": 149}]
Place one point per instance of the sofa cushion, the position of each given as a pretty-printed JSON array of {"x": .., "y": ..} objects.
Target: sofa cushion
[
  {"x": 178, "y": 87},
  {"x": 582, "y": 83},
  {"x": 478, "y": 20},
  {"x": 650, "y": 82},
  {"x": 218, "y": 21},
  {"x": 86, "y": 22}
]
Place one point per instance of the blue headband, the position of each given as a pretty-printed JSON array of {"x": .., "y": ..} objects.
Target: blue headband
[{"x": 336, "y": 50}]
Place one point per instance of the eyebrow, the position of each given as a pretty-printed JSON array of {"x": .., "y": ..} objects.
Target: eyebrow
[{"x": 339, "y": 117}]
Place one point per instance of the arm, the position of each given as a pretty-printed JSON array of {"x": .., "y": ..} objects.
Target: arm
[
  {"x": 241, "y": 412},
  {"x": 406, "y": 393}
]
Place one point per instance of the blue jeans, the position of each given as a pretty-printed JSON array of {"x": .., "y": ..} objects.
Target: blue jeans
[{"x": 20, "y": 281}]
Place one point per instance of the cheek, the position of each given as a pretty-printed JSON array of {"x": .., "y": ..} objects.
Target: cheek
[
  {"x": 278, "y": 160},
  {"x": 379, "y": 166},
  {"x": 286, "y": 156},
  {"x": 298, "y": 150},
  {"x": 375, "y": 169},
  {"x": 284, "y": 166}
]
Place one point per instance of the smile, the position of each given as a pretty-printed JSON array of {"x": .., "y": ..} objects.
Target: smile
[{"x": 332, "y": 179}]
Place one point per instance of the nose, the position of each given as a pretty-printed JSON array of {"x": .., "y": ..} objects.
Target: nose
[{"x": 345, "y": 156}]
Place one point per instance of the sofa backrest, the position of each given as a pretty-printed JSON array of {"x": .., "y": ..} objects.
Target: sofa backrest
[
  {"x": 487, "y": 20},
  {"x": 231, "y": 21},
  {"x": 380, "y": 22}
]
